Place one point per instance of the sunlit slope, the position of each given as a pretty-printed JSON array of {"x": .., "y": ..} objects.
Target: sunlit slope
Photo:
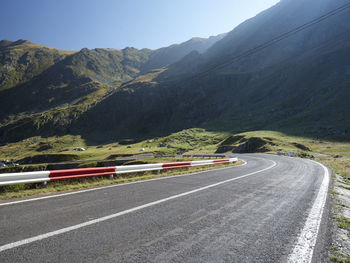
[{"x": 44, "y": 90}]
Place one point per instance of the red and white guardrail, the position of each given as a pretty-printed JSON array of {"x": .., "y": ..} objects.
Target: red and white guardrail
[{"x": 45, "y": 176}]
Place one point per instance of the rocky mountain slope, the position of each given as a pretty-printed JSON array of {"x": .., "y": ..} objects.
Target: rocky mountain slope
[
  {"x": 43, "y": 90},
  {"x": 168, "y": 55},
  {"x": 298, "y": 84},
  {"x": 22, "y": 60}
]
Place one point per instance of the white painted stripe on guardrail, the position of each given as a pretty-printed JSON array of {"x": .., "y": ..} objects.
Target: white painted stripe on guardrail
[
  {"x": 205, "y": 162},
  {"x": 11, "y": 176},
  {"x": 28, "y": 177},
  {"x": 27, "y": 181},
  {"x": 138, "y": 168}
]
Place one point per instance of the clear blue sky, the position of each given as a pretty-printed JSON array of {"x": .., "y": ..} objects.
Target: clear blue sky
[{"x": 74, "y": 24}]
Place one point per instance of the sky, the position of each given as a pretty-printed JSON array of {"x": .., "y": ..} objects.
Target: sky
[{"x": 76, "y": 24}]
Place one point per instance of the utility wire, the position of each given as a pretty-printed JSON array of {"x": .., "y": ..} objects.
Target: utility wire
[
  {"x": 330, "y": 43},
  {"x": 279, "y": 38}
]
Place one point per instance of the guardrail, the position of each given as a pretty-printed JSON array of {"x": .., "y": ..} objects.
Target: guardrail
[
  {"x": 45, "y": 176},
  {"x": 193, "y": 155}
]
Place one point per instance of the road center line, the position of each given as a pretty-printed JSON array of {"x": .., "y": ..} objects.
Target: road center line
[
  {"x": 304, "y": 248},
  {"x": 98, "y": 220}
]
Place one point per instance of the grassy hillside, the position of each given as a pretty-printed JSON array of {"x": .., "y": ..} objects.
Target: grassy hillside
[
  {"x": 71, "y": 78},
  {"x": 180, "y": 142},
  {"x": 190, "y": 141},
  {"x": 293, "y": 97},
  {"x": 62, "y": 89},
  {"x": 44, "y": 91},
  {"x": 55, "y": 121},
  {"x": 22, "y": 60}
]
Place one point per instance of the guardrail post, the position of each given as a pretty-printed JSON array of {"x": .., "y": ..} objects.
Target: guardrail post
[
  {"x": 110, "y": 177},
  {"x": 43, "y": 185}
]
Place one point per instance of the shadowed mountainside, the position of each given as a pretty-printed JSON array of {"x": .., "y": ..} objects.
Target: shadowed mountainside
[
  {"x": 43, "y": 90},
  {"x": 298, "y": 84}
]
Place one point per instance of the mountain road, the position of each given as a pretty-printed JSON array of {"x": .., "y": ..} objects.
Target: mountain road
[{"x": 271, "y": 209}]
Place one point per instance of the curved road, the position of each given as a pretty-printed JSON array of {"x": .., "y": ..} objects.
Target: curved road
[{"x": 268, "y": 210}]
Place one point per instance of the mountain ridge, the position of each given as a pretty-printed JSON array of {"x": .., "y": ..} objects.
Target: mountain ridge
[
  {"x": 56, "y": 79},
  {"x": 275, "y": 95},
  {"x": 288, "y": 86}
]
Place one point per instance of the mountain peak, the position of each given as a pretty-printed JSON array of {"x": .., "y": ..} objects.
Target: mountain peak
[
  {"x": 7, "y": 43},
  {"x": 21, "y": 42}
]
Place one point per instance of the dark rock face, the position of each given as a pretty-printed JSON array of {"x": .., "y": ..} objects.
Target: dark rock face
[
  {"x": 48, "y": 158},
  {"x": 301, "y": 146},
  {"x": 252, "y": 145},
  {"x": 224, "y": 149}
]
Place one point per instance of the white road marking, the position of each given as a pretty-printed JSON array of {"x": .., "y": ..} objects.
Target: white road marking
[
  {"x": 304, "y": 248},
  {"x": 98, "y": 220},
  {"x": 114, "y": 185}
]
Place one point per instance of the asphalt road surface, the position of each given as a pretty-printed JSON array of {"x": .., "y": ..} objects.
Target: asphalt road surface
[{"x": 272, "y": 209}]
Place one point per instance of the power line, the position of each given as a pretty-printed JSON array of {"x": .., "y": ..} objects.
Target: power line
[
  {"x": 334, "y": 41},
  {"x": 279, "y": 38}
]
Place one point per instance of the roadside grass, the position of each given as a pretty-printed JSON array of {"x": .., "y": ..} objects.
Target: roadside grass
[
  {"x": 188, "y": 141},
  {"x": 25, "y": 190},
  {"x": 191, "y": 141},
  {"x": 340, "y": 258},
  {"x": 343, "y": 222}
]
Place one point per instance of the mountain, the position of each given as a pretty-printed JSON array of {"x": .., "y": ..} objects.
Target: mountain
[
  {"x": 43, "y": 90},
  {"x": 168, "y": 55},
  {"x": 283, "y": 17},
  {"x": 22, "y": 60},
  {"x": 249, "y": 79},
  {"x": 298, "y": 85},
  {"x": 65, "y": 80}
]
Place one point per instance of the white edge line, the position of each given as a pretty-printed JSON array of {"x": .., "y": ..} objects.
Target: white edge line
[
  {"x": 98, "y": 220},
  {"x": 114, "y": 185},
  {"x": 304, "y": 248}
]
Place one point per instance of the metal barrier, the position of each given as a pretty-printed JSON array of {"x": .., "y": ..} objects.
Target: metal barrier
[{"x": 45, "y": 176}]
